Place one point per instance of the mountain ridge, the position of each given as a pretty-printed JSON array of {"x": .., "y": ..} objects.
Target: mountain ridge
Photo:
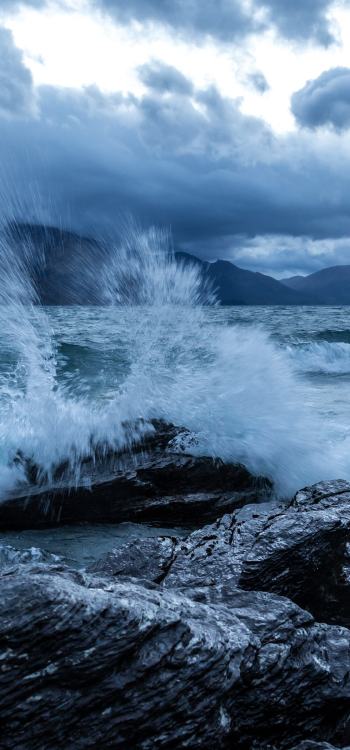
[
  {"x": 237, "y": 286},
  {"x": 329, "y": 286},
  {"x": 66, "y": 274}
]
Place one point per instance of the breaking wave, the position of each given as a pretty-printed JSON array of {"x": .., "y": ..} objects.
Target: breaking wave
[
  {"x": 322, "y": 357},
  {"x": 157, "y": 354}
]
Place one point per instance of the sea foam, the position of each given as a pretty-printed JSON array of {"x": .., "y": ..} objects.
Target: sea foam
[{"x": 231, "y": 385}]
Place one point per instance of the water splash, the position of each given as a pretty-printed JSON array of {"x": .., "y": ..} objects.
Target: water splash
[
  {"x": 41, "y": 419},
  {"x": 231, "y": 386},
  {"x": 323, "y": 357}
]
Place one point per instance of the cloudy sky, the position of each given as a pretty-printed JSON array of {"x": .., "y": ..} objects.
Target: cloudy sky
[{"x": 227, "y": 121}]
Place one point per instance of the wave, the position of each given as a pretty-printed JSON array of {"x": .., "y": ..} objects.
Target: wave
[
  {"x": 232, "y": 386},
  {"x": 321, "y": 358},
  {"x": 331, "y": 335}
]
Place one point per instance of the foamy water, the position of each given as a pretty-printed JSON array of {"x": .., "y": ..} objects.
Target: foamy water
[{"x": 265, "y": 386}]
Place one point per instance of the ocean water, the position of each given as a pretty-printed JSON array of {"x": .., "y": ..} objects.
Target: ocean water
[
  {"x": 269, "y": 386},
  {"x": 266, "y": 386}
]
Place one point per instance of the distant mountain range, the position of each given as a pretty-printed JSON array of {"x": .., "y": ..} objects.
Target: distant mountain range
[
  {"x": 331, "y": 286},
  {"x": 65, "y": 273},
  {"x": 236, "y": 286}
]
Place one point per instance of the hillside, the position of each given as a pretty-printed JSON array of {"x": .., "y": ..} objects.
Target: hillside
[
  {"x": 236, "y": 286},
  {"x": 64, "y": 264},
  {"x": 331, "y": 286}
]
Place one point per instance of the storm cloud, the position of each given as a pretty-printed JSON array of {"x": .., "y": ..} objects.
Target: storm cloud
[
  {"x": 175, "y": 156},
  {"x": 164, "y": 78},
  {"x": 16, "y": 85},
  {"x": 278, "y": 255},
  {"x": 324, "y": 101},
  {"x": 224, "y": 20},
  {"x": 229, "y": 19},
  {"x": 258, "y": 81},
  {"x": 301, "y": 19}
]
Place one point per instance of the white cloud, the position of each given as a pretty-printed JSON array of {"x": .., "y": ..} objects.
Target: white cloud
[{"x": 81, "y": 47}]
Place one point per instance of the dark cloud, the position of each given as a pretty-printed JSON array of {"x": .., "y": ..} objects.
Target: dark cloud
[
  {"x": 301, "y": 19},
  {"x": 16, "y": 86},
  {"x": 258, "y": 81},
  {"x": 324, "y": 101},
  {"x": 223, "y": 19},
  {"x": 191, "y": 161},
  {"x": 228, "y": 19},
  {"x": 277, "y": 255},
  {"x": 164, "y": 78}
]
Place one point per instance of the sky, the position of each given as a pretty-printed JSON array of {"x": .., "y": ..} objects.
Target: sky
[{"x": 227, "y": 122}]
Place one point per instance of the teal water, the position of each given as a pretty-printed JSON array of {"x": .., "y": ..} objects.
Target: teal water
[
  {"x": 268, "y": 386},
  {"x": 253, "y": 383}
]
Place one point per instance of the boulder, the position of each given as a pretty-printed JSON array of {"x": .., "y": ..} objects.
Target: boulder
[
  {"x": 151, "y": 480},
  {"x": 148, "y": 558},
  {"x": 300, "y": 550},
  {"x": 12, "y": 557},
  {"x": 90, "y": 661}
]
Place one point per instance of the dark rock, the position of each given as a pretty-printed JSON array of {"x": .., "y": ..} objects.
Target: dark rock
[
  {"x": 304, "y": 553},
  {"x": 103, "y": 663},
  {"x": 148, "y": 558},
  {"x": 10, "y": 556},
  {"x": 215, "y": 554},
  {"x": 148, "y": 481},
  {"x": 301, "y": 551},
  {"x": 191, "y": 643}
]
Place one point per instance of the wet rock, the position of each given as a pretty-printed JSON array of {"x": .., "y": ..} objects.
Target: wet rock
[
  {"x": 301, "y": 551},
  {"x": 215, "y": 554},
  {"x": 110, "y": 663},
  {"x": 148, "y": 481},
  {"x": 10, "y": 556},
  {"x": 304, "y": 553},
  {"x": 148, "y": 559}
]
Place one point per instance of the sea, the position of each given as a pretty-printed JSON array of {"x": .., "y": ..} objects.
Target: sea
[{"x": 266, "y": 386}]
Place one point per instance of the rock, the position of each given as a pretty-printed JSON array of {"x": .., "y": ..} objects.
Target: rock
[
  {"x": 304, "y": 553},
  {"x": 300, "y": 550},
  {"x": 148, "y": 559},
  {"x": 110, "y": 666},
  {"x": 310, "y": 745},
  {"x": 109, "y": 663},
  {"x": 146, "y": 482},
  {"x": 215, "y": 554},
  {"x": 9, "y": 556}
]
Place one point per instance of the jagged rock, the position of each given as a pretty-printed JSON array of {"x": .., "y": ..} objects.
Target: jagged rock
[
  {"x": 311, "y": 745},
  {"x": 146, "y": 482},
  {"x": 215, "y": 554},
  {"x": 148, "y": 558},
  {"x": 96, "y": 662},
  {"x": 299, "y": 550},
  {"x": 10, "y": 556}
]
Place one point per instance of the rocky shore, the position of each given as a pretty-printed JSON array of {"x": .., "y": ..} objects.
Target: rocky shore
[
  {"x": 153, "y": 480},
  {"x": 237, "y": 636}
]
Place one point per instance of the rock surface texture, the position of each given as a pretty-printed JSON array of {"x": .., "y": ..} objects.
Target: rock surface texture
[
  {"x": 153, "y": 480},
  {"x": 235, "y": 637}
]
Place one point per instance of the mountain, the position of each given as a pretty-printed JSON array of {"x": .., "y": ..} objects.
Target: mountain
[
  {"x": 62, "y": 264},
  {"x": 331, "y": 286},
  {"x": 236, "y": 286},
  {"x": 66, "y": 269}
]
